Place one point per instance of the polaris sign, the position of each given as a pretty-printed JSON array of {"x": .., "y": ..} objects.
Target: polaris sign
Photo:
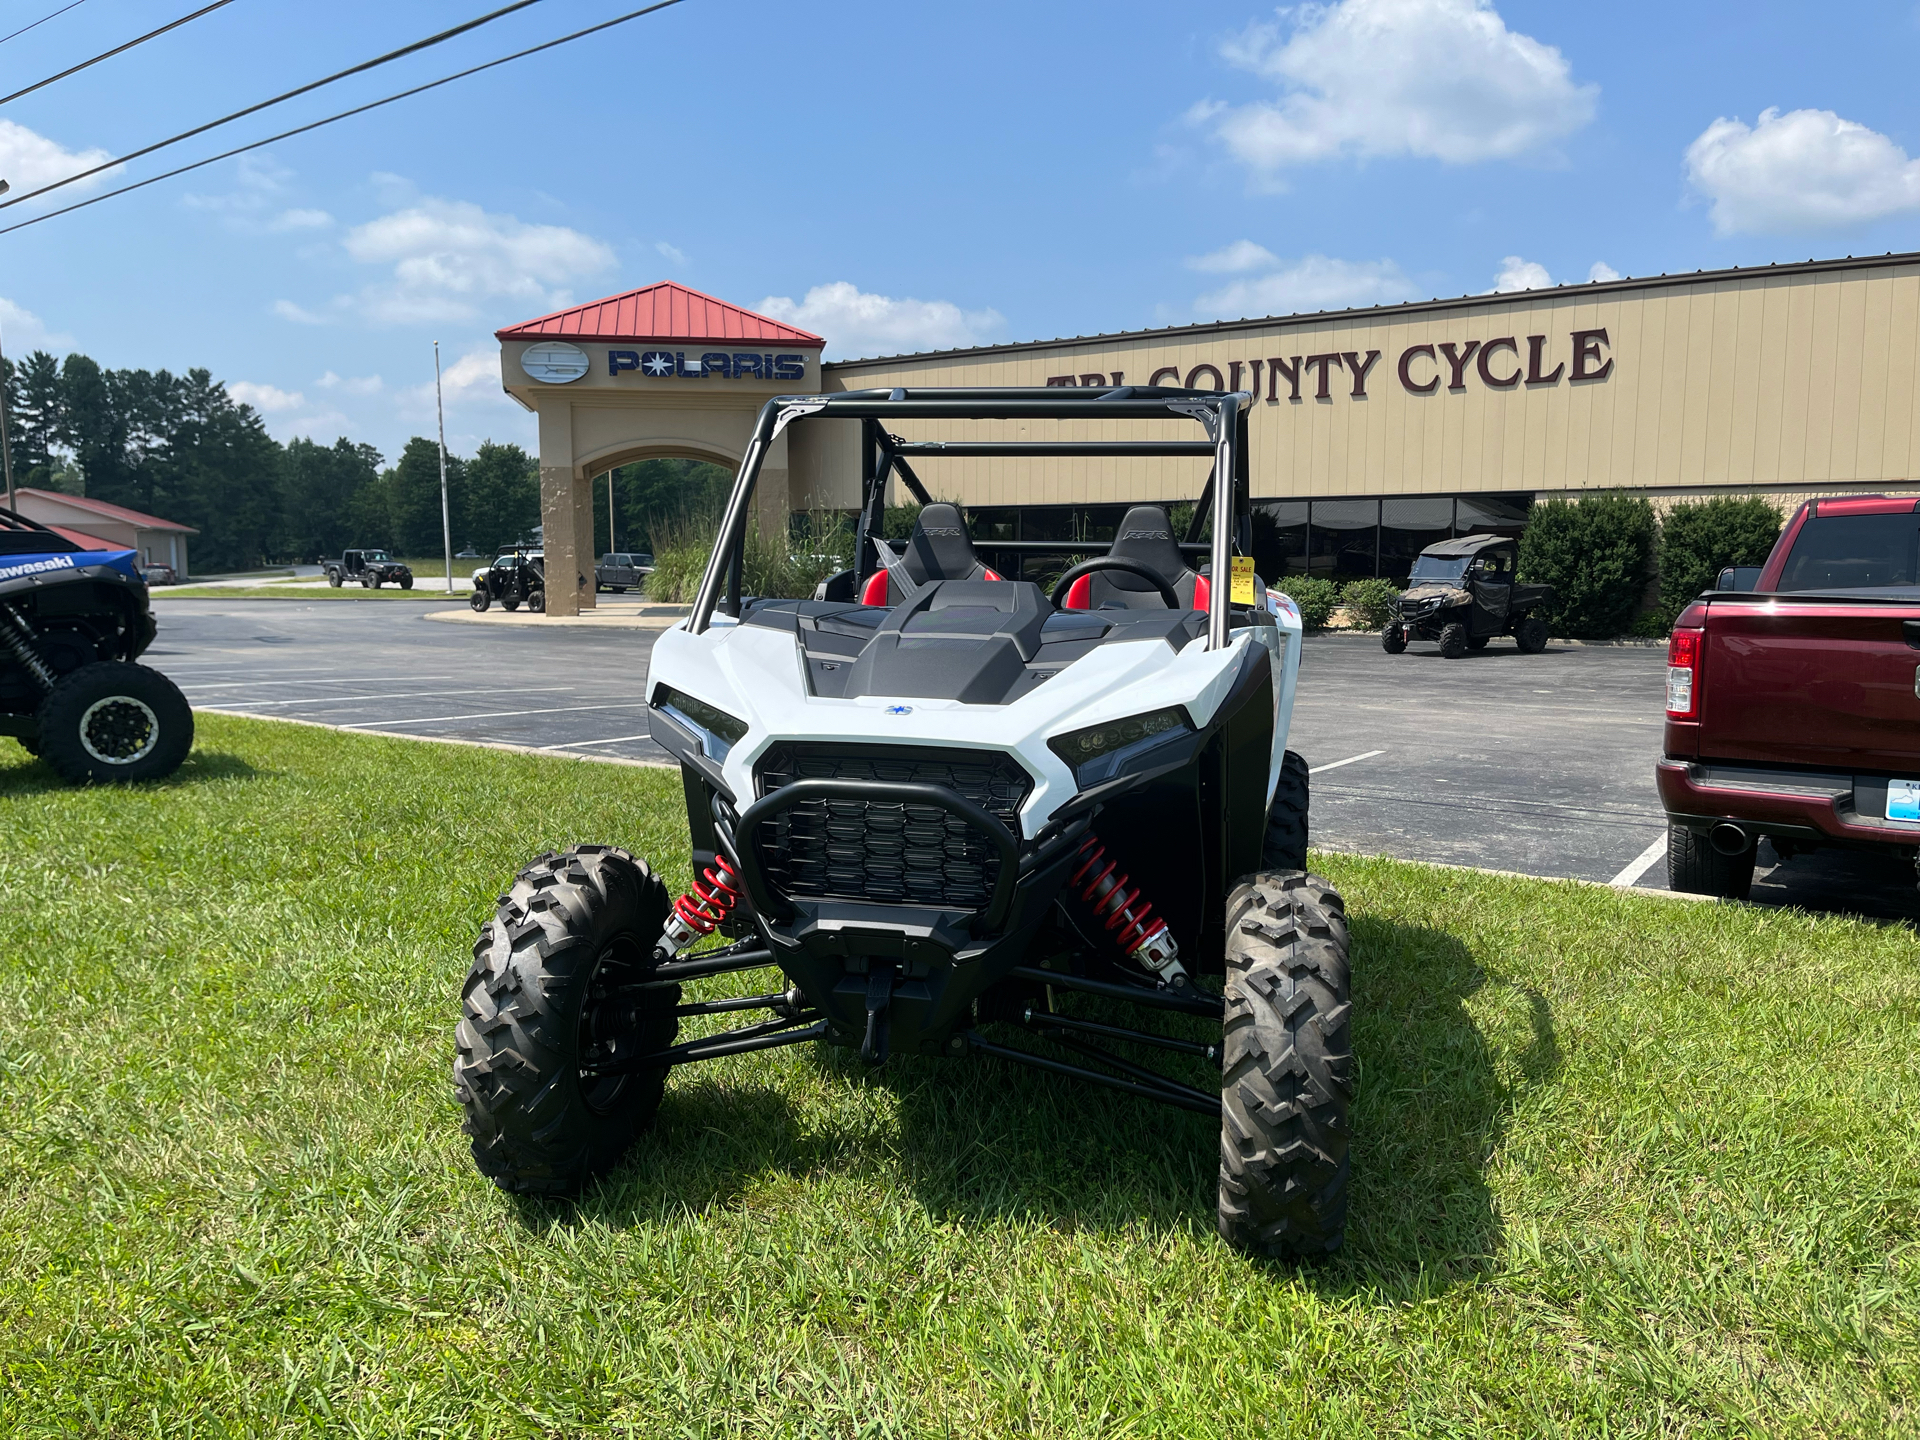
[{"x": 723, "y": 364}]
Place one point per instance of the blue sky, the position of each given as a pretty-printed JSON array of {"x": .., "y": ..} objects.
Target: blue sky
[{"x": 904, "y": 176}]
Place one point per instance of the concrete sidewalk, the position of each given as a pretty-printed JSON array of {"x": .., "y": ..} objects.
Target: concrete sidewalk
[{"x": 615, "y": 614}]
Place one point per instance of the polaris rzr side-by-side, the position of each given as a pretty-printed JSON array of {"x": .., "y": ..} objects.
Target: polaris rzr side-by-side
[
  {"x": 963, "y": 817},
  {"x": 72, "y": 622}
]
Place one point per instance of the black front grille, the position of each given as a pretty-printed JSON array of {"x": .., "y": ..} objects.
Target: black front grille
[{"x": 872, "y": 850}]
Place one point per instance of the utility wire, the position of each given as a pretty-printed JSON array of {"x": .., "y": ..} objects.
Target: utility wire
[
  {"x": 76, "y": 69},
  {"x": 343, "y": 115},
  {"x": 41, "y": 21},
  {"x": 379, "y": 60}
]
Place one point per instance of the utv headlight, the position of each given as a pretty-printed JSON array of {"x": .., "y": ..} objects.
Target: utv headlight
[
  {"x": 1101, "y": 752},
  {"x": 719, "y": 732}
]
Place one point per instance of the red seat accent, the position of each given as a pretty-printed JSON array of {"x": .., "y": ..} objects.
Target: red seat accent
[
  {"x": 875, "y": 592},
  {"x": 992, "y": 574},
  {"x": 1080, "y": 594},
  {"x": 1202, "y": 592}
]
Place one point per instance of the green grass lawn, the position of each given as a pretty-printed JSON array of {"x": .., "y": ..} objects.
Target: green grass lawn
[{"x": 1622, "y": 1166}]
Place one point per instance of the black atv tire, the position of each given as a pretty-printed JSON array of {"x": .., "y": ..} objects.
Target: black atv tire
[
  {"x": 376, "y": 582},
  {"x": 1453, "y": 640},
  {"x": 537, "y": 601},
  {"x": 112, "y": 721},
  {"x": 29, "y": 744},
  {"x": 1531, "y": 635},
  {"x": 572, "y": 927},
  {"x": 366, "y": 582},
  {"x": 1694, "y": 867},
  {"x": 1287, "y": 1068},
  {"x": 1478, "y": 642},
  {"x": 406, "y": 583},
  {"x": 1393, "y": 639},
  {"x": 510, "y": 603},
  {"x": 333, "y": 578},
  {"x": 618, "y": 589},
  {"x": 480, "y": 600},
  {"x": 1285, "y": 845}
]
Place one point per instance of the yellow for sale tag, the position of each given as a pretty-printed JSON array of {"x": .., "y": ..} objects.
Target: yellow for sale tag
[{"x": 1242, "y": 593}]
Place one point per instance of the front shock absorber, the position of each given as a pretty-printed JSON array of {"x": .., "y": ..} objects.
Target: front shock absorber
[
  {"x": 1100, "y": 886},
  {"x": 702, "y": 910}
]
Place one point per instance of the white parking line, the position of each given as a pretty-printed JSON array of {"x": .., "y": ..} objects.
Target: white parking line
[
  {"x": 1350, "y": 760},
  {"x": 388, "y": 696},
  {"x": 356, "y": 680},
  {"x": 1640, "y": 863},
  {"x": 490, "y": 715},
  {"x": 581, "y": 744}
]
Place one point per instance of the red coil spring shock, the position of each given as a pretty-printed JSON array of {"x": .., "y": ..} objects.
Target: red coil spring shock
[
  {"x": 704, "y": 908},
  {"x": 1102, "y": 886}
]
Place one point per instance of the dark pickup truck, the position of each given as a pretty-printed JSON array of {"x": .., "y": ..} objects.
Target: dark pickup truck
[{"x": 1793, "y": 699}]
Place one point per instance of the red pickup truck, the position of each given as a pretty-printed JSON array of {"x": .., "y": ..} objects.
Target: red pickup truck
[{"x": 1793, "y": 699}]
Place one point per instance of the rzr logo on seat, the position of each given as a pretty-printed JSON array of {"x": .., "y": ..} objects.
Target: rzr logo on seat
[
  {"x": 941, "y": 530},
  {"x": 1146, "y": 535}
]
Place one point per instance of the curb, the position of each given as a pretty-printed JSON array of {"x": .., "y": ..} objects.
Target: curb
[
  {"x": 657, "y": 617},
  {"x": 449, "y": 740}
]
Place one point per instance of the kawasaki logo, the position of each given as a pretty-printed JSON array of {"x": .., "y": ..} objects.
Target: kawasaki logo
[{"x": 36, "y": 567}]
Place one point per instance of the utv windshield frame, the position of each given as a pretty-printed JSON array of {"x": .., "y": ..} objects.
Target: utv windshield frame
[{"x": 1221, "y": 414}]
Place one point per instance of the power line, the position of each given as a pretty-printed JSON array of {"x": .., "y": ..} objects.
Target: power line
[
  {"x": 76, "y": 69},
  {"x": 379, "y": 60},
  {"x": 343, "y": 115},
  {"x": 41, "y": 21}
]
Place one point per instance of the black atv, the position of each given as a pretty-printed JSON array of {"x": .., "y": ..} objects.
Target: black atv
[
  {"x": 372, "y": 568},
  {"x": 516, "y": 577},
  {"x": 959, "y": 816},
  {"x": 72, "y": 622},
  {"x": 1464, "y": 592}
]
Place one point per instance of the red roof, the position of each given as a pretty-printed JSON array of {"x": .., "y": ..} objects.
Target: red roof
[
  {"x": 138, "y": 519},
  {"x": 660, "y": 312},
  {"x": 84, "y": 540}
]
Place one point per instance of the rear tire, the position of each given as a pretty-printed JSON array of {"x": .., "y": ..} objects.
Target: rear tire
[
  {"x": 618, "y": 589},
  {"x": 1694, "y": 867},
  {"x": 1287, "y": 1068},
  {"x": 112, "y": 721},
  {"x": 1453, "y": 640},
  {"x": 480, "y": 600},
  {"x": 333, "y": 578},
  {"x": 1393, "y": 639},
  {"x": 1531, "y": 636},
  {"x": 572, "y": 927},
  {"x": 537, "y": 602},
  {"x": 1285, "y": 845}
]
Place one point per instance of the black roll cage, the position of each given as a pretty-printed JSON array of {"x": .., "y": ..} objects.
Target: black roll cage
[{"x": 1223, "y": 415}]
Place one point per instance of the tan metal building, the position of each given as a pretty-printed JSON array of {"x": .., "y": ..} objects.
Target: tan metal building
[{"x": 1378, "y": 430}]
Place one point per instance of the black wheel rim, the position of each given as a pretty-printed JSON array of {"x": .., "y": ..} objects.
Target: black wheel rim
[
  {"x": 119, "y": 730},
  {"x": 611, "y": 1028}
]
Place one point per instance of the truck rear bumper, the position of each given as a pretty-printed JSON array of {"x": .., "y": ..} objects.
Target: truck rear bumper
[{"x": 1804, "y": 805}]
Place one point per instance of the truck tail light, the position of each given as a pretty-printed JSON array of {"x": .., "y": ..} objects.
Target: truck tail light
[{"x": 1683, "y": 673}]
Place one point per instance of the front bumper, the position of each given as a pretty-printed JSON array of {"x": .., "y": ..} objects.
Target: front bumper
[{"x": 1813, "y": 806}]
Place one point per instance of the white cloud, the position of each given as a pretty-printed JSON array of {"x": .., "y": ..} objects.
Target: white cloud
[
  {"x": 1805, "y": 170},
  {"x": 30, "y": 160},
  {"x": 1241, "y": 255},
  {"x": 352, "y": 384},
  {"x": 300, "y": 220},
  {"x": 671, "y": 252},
  {"x": 287, "y": 310},
  {"x": 855, "y": 323},
  {"x": 449, "y": 255},
  {"x": 1440, "y": 79},
  {"x": 21, "y": 331},
  {"x": 267, "y": 399},
  {"x": 1517, "y": 274},
  {"x": 323, "y": 427},
  {"x": 1602, "y": 272},
  {"x": 1313, "y": 282}
]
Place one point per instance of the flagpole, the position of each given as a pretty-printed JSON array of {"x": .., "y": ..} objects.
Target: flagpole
[{"x": 446, "y": 525}]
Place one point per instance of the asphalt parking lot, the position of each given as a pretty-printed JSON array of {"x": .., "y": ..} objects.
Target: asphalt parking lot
[{"x": 1541, "y": 764}]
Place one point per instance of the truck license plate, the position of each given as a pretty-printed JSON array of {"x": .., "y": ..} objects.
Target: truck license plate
[{"x": 1903, "y": 800}]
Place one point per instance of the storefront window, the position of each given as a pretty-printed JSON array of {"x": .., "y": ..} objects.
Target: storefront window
[
  {"x": 1343, "y": 539},
  {"x": 1492, "y": 514},
  {"x": 1279, "y": 538},
  {"x": 1407, "y": 527}
]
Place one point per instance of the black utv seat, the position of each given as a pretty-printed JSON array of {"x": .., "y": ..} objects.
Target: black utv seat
[
  {"x": 1145, "y": 537},
  {"x": 938, "y": 549}
]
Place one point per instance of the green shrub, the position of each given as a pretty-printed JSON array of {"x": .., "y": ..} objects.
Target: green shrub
[
  {"x": 1369, "y": 603},
  {"x": 1700, "y": 539},
  {"x": 782, "y": 567},
  {"x": 1597, "y": 554},
  {"x": 1316, "y": 598}
]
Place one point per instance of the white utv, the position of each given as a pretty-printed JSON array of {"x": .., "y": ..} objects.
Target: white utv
[{"x": 963, "y": 817}]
